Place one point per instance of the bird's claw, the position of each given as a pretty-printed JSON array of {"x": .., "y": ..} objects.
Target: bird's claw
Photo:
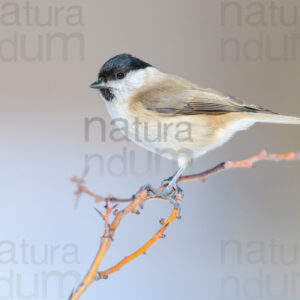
[
  {"x": 170, "y": 189},
  {"x": 170, "y": 192},
  {"x": 167, "y": 191}
]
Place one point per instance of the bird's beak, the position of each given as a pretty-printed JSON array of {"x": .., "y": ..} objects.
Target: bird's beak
[{"x": 97, "y": 84}]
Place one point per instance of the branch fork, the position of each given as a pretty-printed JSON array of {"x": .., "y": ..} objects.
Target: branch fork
[{"x": 138, "y": 200}]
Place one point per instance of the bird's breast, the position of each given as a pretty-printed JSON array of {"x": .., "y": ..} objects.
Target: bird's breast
[{"x": 171, "y": 137}]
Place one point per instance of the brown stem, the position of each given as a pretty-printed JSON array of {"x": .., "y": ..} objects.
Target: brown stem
[{"x": 247, "y": 163}]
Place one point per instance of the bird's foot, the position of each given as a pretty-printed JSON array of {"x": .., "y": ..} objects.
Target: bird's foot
[
  {"x": 169, "y": 187},
  {"x": 171, "y": 191},
  {"x": 168, "y": 191}
]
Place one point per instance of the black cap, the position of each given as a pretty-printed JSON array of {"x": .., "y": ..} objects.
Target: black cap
[{"x": 121, "y": 63}]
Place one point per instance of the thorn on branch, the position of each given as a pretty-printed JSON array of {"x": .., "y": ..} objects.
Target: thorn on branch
[
  {"x": 101, "y": 276},
  {"x": 162, "y": 221},
  {"x": 100, "y": 213}
]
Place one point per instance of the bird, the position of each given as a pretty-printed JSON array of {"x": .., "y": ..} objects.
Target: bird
[{"x": 171, "y": 116}]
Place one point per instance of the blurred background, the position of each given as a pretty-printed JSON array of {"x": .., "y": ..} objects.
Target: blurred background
[{"x": 239, "y": 233}]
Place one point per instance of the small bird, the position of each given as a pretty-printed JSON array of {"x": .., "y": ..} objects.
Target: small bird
[{"x": 171, "y": 116}]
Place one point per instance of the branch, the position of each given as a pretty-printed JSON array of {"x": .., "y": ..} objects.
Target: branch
[
  {"x": 142, "y": 250},
  {"x": 107, "y": 238},
  {"x": 137, "y": 200},
  {"x": 247, "y": 163},
  {"x": 82, "y": 189}
]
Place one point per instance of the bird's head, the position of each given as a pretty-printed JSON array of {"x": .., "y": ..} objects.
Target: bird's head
[{"x": 120, "y": 76}]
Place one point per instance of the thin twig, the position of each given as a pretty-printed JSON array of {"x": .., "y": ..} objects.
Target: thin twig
[
  {"x": 159, "y": 234},
  {"x": 247, "y": 163},
  {"x": 82, "y": 189}
]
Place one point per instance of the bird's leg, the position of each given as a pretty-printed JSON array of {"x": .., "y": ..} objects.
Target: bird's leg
[
  {"x": 170, "y": 189},
  {"x": 168, "y": 195},
  {"x": 170, "y": 183}
]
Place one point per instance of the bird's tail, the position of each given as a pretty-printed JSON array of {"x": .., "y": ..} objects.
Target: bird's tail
[{"x": 275, "y": 118}]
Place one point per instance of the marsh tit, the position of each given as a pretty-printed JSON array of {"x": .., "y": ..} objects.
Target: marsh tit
[{"x": 172, "y": 116}]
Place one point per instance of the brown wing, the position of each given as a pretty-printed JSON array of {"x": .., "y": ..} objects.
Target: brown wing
[{"x": 179, "y": 97}]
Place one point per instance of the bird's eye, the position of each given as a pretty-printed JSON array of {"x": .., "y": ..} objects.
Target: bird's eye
[{"x": 120, "y": 75}]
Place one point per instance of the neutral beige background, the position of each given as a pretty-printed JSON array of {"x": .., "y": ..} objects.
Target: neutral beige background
[{"x": 43, "y": 107}]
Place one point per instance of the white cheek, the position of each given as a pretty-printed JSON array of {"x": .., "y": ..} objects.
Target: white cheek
[{"x": 124, "y": 88}]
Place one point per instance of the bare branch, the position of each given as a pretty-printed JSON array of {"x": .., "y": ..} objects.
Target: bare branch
[{"x": 138, "y": 200}]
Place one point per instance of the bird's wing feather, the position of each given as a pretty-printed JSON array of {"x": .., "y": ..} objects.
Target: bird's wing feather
[{"x": 179, "y": 97}]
